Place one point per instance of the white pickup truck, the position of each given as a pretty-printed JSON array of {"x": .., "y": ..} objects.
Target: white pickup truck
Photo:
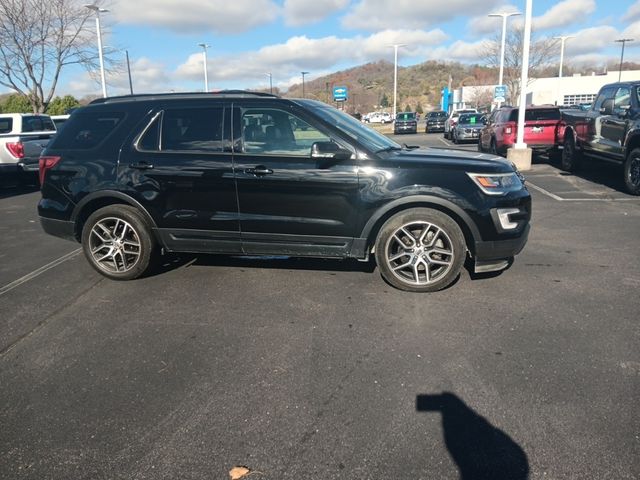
[{"x": 23, "y": 136}]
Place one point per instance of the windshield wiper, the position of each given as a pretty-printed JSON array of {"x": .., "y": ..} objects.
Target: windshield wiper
[
  {"x": 388, "y": 149},
  {"x": 410, "y": 147}
]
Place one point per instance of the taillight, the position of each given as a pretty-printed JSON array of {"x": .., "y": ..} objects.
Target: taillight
[
  {"x": 16, "y": 149},
  {"x": 46, "y": 163}
]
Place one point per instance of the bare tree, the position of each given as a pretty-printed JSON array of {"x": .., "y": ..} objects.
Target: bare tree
[
  {"x": 481, "y": 97},
  {"x": 542, "y": 54},
  {"x": 38, "y": 38}
]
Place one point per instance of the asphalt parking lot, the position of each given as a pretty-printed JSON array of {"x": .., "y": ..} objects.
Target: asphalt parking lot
[{"x": 314, "y": 369}]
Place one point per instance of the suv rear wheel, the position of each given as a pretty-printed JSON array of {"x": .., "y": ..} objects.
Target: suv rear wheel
[
  {"x": 570, "y": 160},
  {"x": 420, "y": 250},
  {"x": 117, "y": 242}
]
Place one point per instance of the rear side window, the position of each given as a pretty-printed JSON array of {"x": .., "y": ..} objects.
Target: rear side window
[
  {"x": 37, "y": 124},
  {"x": 86, "y": 130},
  {"x": 6, "y": 125},
  {"x": 187, "y": 129}
]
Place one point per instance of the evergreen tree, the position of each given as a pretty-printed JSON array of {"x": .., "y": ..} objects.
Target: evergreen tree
[
  {"x": 384, "y": 101},
  {"x": 419, "y": 108},
  {"x": 16, "y": 103},
  {"x": 60, "y": 106},
  {"x": 407, "y": 108}
]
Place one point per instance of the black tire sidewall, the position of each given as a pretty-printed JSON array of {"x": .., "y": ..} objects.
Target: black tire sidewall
[
  {"x": 131, "y": 216},
  {"x": 436, "y": 217},
  {"x": 632, "y": 189},
  {"x": 569, "y": 158}
]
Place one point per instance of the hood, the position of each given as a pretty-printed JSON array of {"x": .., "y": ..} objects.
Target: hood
[{"x": 476, "y": 162}]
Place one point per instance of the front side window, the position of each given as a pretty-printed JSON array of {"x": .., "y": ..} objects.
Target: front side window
[
  {"x": 604, "y": 94},
  {"x": 276, "y": 132},
  {"x": 622, "y": 98}
]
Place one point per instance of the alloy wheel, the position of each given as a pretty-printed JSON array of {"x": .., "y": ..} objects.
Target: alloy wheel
[
  {"x": 419, "y": 253},
  {"x": 114, "y": 245}
]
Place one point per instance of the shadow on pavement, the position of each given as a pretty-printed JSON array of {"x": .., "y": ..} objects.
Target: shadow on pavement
[
  {"x": 480, "y": 450},
  {"x": 9, "y": 191},
  {"x": 598, "y": 172},
  {"x": 172, "y": 261}
]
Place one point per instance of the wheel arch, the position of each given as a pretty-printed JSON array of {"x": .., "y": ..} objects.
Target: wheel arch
[
  {"x": 104, "y": 198},
  {"x": 633, "y": 142},
  {"x": 466, "y": 224}
]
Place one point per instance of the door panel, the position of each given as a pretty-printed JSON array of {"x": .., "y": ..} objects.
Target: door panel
[
  {"x": 289, "y": 202},
  {"x": 181, "y": 168}
]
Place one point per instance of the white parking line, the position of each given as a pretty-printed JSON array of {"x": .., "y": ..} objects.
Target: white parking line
[
  {"x": 39, "y": 271},
  {"x": 444, "y": 141},
  {"x": 560, "y": 199}
]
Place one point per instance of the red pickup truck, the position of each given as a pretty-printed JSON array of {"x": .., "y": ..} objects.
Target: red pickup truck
[{"x": 609, "y": 131}]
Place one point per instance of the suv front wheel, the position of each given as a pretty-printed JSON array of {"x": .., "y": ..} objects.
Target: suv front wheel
[
  {"x": 420, "y": 250},
  {"x": 117, "y": 242}
]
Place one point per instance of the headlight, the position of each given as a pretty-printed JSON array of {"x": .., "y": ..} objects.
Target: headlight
[{"x": 497, "y": 183}]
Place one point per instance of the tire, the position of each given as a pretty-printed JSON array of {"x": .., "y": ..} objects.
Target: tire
[
  {"x": 554, "y": 155},
  {"x": 493, "y": 149},
  {"x": 570, "y": 161},
  {"x": 420, "y": 250},
  {"x": 118, "y": 243},
  {"x": 632, "y": 172}
]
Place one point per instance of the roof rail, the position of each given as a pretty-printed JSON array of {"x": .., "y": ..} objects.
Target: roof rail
[{"x": 184, "y": 95}]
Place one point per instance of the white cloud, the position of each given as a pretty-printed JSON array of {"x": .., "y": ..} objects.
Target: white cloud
[
  {"x": 564, "y": 13},
  {"x": 633, "y": 13},
  {"x": 299, "y": 53},
  {"x": 632, "y": 31},
  {"x": 591, "y": 40},
  {"x": 375, "y": 15},
  {"x": 460, "y": 51},
  {"x": 302, "y": 12},
  {"x": 484, "y": 24},
  {"x": 187, "y": 16}
]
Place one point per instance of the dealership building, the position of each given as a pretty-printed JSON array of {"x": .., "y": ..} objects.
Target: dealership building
[{"x": 555, "y": 90}]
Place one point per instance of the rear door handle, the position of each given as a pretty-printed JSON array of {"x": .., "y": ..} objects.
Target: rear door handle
[
  {"x": 259, "y": 170},
  {"x": 141, "y": 166}
]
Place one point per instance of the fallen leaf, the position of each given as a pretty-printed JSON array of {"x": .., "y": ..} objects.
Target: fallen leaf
[{"x": 236, "y": 473}]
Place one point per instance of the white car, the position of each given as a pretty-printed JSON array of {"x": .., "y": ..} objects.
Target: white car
[
  {"x": 379, "y": 117},
  {"x": 452, "y": 121}
]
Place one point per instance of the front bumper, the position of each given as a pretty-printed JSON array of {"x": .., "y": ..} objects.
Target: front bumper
[{"x": 405, "y": 128}]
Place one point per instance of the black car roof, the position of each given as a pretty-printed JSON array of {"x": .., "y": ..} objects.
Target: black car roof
[{"x": 183, "y": 96}]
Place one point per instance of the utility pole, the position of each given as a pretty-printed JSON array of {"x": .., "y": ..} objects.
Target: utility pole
[
  {"x": 504, "y": 16},
  {"x": 303, "y": 74},
  {"x": 623, "y": 41},
  {"x": 204, "y": 57},
  {"x": 126, "y": 52},
  {"x": 395, "y": 76}
]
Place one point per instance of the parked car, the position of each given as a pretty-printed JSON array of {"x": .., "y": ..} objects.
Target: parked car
[
  {"x": 405, "y": 122},
  {"x": 434, "y": 121},
  {"x": 59, "y": 120},
  {"x": 468, "y": 127},
  {"x": 453, "y": 120},
  {"x": 378, "y": 117},
  {"x": 609, "y": 130},
  {"x": 22, "y": 138},
  {"x": 540, "y": 130},
  {"x": 227, "y": 172}
]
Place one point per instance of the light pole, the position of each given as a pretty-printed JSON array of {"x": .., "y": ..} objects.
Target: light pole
[
  {"x": 562, "y": 38},
  {"x": 524, "y": 76},
  {"x": 395, "y": 75},
  {"x": 303, "y": 74},
  {"x": 504, "y": 16},
  {"x": 126, "y": 52},
  {"x": 270, "y": 82},
  {"x": 98, "y": 10},
  {"x": 622, "y": 41},
  {"x": 204, "y": 57}
]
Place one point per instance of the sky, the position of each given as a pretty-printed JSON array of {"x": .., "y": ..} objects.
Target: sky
[{"x": 250, "y": 38}]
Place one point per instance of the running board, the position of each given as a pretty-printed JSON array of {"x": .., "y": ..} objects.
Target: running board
[{"x": 490, "y": 266}]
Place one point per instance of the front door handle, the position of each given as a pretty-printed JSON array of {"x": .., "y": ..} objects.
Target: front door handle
[
  {"x": 141, "y": 166},
  {"x": 259, "y": 170}
]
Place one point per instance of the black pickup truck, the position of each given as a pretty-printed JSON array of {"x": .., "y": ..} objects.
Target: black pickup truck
[{"x": 609, "y": 131}]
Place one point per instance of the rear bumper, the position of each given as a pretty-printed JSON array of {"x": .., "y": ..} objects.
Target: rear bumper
[
  {"x": 29, "y": 166},
  {"x": 58, "y": 228}
]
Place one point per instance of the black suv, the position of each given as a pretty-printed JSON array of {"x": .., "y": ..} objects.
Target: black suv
[
  {"x": 406, "y": 122},
  {"x": 254, "y": 174}
]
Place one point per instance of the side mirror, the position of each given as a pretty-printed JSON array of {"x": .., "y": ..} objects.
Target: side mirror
[
  {"x": 607, "y": 107},
  {"x": 331, "y": 150}
]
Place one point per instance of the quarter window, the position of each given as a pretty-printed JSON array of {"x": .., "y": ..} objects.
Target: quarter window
[
  {"x": 272, "y": 131},
  {"x": 6, "y": 125}
]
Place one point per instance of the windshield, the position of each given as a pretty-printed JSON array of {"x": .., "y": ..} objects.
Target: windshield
[
  {"x": 472, "y": 118},
  {"x": 437, "y": 114},
  {"x": 406, "y": 116},
  {"x": 353, "y": 128}
]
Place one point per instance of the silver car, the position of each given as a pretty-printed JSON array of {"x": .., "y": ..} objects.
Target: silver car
[{"x": 468, "y": 127}]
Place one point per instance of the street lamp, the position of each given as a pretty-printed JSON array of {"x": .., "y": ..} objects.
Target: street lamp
[
  {"x": 303, "y": 74},
  {"x": 204, "y": 56},
  {"x": 504, "y": 16},
  {"x": 562, "y": 38},
  {"x": 270, "y": 82},
  {"x": 622, "y": 41},
  {"x": 395, "y": 75},
  {"x": 98, "y": 10}
]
